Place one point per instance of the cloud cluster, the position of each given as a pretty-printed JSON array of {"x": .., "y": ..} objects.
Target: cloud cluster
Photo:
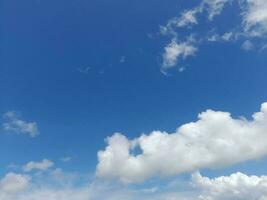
[
  {"x": 237, "y": 186},
  {"x": 215, "y": 140},
  {"x": 13, "y": 123},
  {"x": 253, "y": 17},
  {"x": 48, "y": 186}
]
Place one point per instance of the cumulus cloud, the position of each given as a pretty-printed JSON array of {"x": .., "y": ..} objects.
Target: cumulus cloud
[
  {"x": 42, "y": 165},
  {"x": 237, "y": 186},
  {"x": 13, "y": 123},
  {"x": 13, "y": 184},
  {"x": 215, "y": 140},
  {"x": 175, "y": 51}
]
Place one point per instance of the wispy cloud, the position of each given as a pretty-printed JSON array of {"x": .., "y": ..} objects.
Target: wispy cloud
[
  {"x": 255, "y": 17},
  {"x": 42, "y": 165},
  {"x": 84, "y": 70},
  {"x": 65, "y": 159},
  {"x": 175, "y": 51},
  {"x": 253, "y": 26},
  {"x": 13, "y": 123}
]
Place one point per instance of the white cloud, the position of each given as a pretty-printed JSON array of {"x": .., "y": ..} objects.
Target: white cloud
[
  {"x": 12, "y": 185},
  {"x": 225, "y": 37},
  {"x": 253, "y": 23},
  {"x": 46, "y": 187},
  {"x": 14, "y": 124},
  {"x": 214, "y": 140},
  {"x": 247, "y": 45},
  {"x": 228, "y": 36},
  {"x": 237, "y": 186},
  {"x": 42, "y": 166},
  {"x": 188, "y": 17},
  {"x": 214, "y": 7},
  {"x": 174, "y": 52},
  {"x": 255, "y": 17},
  {"x": 58, "y": 184}
]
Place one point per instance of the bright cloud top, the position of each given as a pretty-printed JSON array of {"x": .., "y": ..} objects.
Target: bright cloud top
[
  {"x": 13, "y": 123},
  {"x": 214, "y": 140},
  {"x": 237, "y": 186}
]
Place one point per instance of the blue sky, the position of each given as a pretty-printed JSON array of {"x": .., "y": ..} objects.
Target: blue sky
[{"x": 73, "y": 73}]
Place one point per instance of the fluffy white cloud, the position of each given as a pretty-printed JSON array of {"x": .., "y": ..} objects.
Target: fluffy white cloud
[
  {"x": 237, "y": 186},
  {"x": 43, "y": 165},
  {"x": 13, "y": 184},
  {"x": 14, "y": 124},
  {"x": 174, "y": 51},
  {"x": 214, "y": 140}
]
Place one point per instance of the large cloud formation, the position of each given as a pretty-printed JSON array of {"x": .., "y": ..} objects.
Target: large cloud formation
[{"x": 214, "y": 140}]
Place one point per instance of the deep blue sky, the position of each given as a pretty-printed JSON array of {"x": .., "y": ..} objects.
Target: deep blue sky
[{"x": 45, "y": 44}]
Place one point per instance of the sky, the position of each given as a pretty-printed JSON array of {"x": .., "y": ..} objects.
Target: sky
[{"x": 127, "y": 100}]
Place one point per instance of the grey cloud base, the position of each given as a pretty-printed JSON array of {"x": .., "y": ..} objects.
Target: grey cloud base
[{"x": 214, "y": 140}]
